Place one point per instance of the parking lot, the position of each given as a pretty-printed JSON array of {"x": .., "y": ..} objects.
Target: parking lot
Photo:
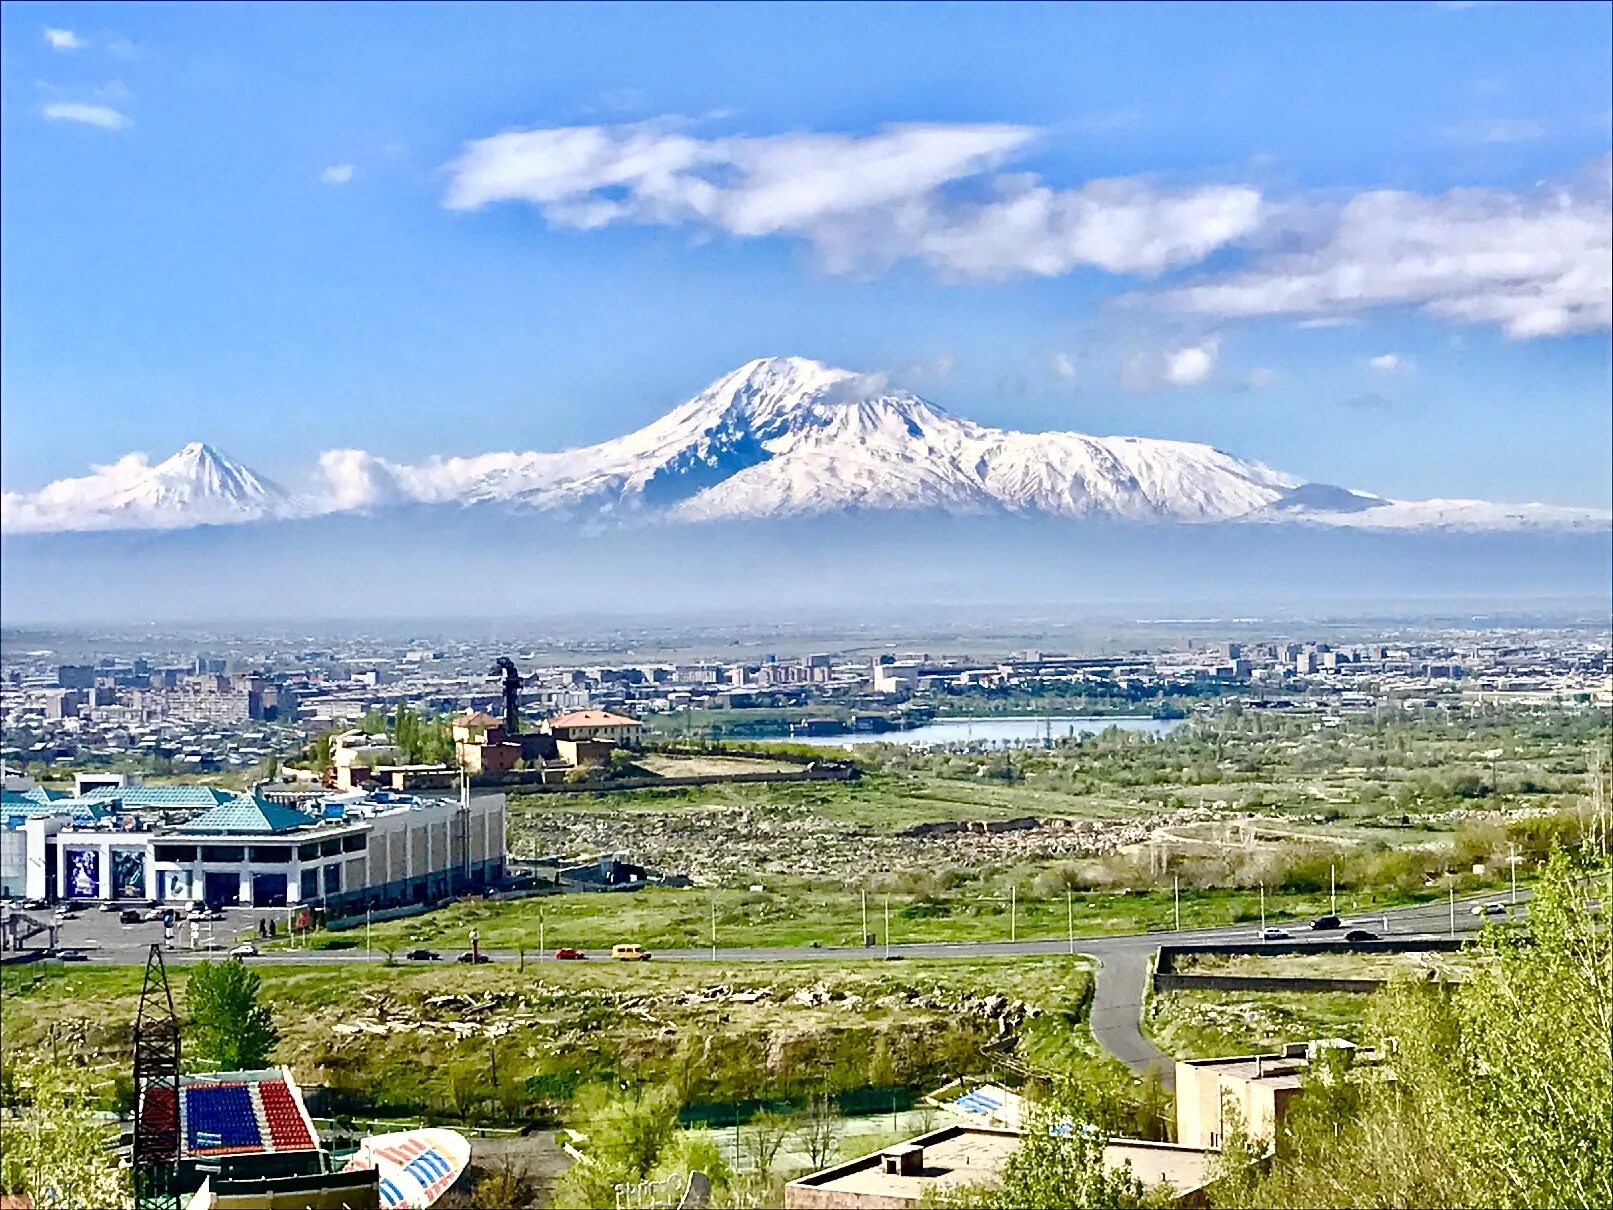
[{"x": 93, "y": 931}]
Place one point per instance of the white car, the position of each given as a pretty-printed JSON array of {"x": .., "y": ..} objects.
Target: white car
[
  {"x": 1489, "y": 909},
  {"x": 246, "y": 950},
  {"x": 1275, "y": 935}
]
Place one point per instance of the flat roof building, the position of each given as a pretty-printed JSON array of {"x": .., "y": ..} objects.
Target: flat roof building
[
  {"x": 345, "y": 851},
  {"x": 928, "y": 1166},
  {"x": 1256, "y": 1088}
]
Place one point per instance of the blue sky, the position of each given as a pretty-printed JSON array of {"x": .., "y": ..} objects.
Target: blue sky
[{"x": 1366, "y": 244}]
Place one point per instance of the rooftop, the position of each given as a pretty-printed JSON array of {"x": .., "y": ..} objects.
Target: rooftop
[
  {"x": 592, "y": 718},
  {"x": 247, "y": 814},
  {"x": 954, "y": 1155}
]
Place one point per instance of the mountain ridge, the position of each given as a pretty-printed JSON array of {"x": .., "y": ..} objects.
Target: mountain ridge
[{"x": 778, "y": 437}]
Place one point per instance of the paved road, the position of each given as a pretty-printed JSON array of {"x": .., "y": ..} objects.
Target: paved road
[{"x": 1118, "y": 995}]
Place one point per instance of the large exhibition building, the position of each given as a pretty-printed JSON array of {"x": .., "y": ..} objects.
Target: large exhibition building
[{"x": 188, "y": 844}]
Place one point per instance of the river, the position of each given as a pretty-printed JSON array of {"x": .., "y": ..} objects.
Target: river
[{"x": 991, "y": 731}]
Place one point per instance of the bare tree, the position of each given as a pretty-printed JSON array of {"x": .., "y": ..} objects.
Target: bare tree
[
  {"x": 819, "y": 1127},
  {"x": 764, "y": 1139}
]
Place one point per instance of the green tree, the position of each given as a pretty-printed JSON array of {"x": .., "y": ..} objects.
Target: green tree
[
  {"x": 229, "y": 1029},
  {"x": 57, "y": 1151},
  {"x": 1502, "y": 1092},
  {"x": 322, "y": 749},
  {"x": 1058, "y": 1165}
]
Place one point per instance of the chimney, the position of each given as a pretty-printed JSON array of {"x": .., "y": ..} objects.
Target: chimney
[{"x": 906, "y": 1159}]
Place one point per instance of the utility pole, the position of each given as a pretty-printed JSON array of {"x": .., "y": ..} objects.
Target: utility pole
[
  {"x": 541, "y": 946},
  {"x": 1176, "y": 892},
  {"x": 1332, "y": 889},
  {"x": 366, "y": 932},
  {"x": 865, "y": 916},
  {"x": 1069, "y": 916},
  {"x": 1512, "y": 861},
  {"x": 714, "y": 927},
  {"x": 1262, "y": 908},
  {"x": 1013, "y": 913},
  {"x": 887, "y": 926},
  {"x": 1452, "y": 888}
]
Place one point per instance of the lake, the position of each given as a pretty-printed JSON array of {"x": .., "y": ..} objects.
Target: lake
[{"x": 991, "y": 731}]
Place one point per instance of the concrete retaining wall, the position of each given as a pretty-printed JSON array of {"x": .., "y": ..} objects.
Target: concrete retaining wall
[
  {"x": 518, "y": 781},
  {"x": 1166, "y": 977}
]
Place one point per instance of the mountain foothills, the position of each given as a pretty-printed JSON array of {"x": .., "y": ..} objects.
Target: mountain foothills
[{"x": 779, "y": 437}]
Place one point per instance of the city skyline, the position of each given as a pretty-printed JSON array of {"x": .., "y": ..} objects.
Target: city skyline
[{"x": 290, "y": 231}]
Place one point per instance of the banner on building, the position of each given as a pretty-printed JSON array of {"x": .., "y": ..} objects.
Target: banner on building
[
  {"x": 128, "y": 873},
  {"x": 84, "y": 873}
]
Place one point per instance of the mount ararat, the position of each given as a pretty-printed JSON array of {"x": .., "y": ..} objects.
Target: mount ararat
[{"x": 781, "y": 437}]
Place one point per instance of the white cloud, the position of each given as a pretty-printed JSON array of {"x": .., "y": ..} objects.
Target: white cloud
[
  {"x": 930, "y": 193},
  {"x": 63, "y": 39},
  {"x": 337, "y": 174},
  {"x": 1388, "y": 363},
  {"x": 62, "y": 504},
  {"x": 1063, "y": 366},
  {"x": 1538, "y": 264},
  {"x": 1192, "y": 365},
  {"x": 103, "y": 116},
  {"x": 1261, "y": 378}
]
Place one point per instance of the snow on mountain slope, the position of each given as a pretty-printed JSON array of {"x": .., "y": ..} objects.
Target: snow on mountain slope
[
  {"x": 778, "y": 437},
  {"x": 197, "y": 486},
  {"x": 784, "y": 436}
]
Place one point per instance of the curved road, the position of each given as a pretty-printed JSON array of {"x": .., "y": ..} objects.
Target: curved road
[{"x": 1118, "y": 994}]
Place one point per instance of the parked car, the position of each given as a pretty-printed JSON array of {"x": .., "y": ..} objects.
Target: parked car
[
  {"x": 155, "y": 913},
  {"x": 565, "y": 951},
  {"x": 1489, "y": 909},
  {"x": 207, "y": 914},
  {"x": 630, "y": 952},
  {"x": 72, "y": 956},
  {"x": 1274, "y": 934},
  {"x": 33, "y": 905},
  {"x": 1360, "y": 935},
  {"x": 423, "y": 956},
  {"x": 108, "y": 906},
  {"x": 130, "y": 916},
  {"x": 1322, "y": 923},
  {"x": 469, "y": 956},
  {"x": 244, "y": 950}
]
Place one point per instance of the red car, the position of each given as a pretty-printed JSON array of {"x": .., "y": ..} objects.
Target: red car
[{"x": 566, "y": 951}]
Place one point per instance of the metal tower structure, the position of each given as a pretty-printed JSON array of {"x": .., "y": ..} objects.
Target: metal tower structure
[{"x": 156, "y": 1113}]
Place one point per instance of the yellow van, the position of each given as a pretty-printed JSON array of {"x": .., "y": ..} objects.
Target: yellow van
[{"x": 630, "y": 953}]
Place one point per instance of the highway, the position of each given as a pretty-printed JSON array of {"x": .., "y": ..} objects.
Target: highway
[{"x": 1118, "y": 994}]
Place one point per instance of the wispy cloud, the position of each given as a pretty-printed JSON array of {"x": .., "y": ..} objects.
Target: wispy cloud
[
  {"x": 929, "y": 193},
  {"x": 1063, "y": 367},
  {"x": 103, "y": 116},
  {"x": 1535, "y": 264},
  {"x": 1389, "y": 363},
  {"x": 63, "y": 39},
  {"x": 337, "y": 174},
  {"x": 1495, "y": 130},
  {"x": 1263, "y": 378}
]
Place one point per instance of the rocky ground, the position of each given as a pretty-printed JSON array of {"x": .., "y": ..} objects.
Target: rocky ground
[{"x": 716, "y": 845}]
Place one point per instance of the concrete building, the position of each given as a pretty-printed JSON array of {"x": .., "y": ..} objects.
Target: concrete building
[
  {"x": 356, "y": 851},
  {"x": 1258, "y": 1089},
  {"x": 927, "y": 1167}
]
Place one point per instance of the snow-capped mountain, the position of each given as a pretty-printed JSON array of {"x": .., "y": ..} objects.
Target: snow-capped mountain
[
  {"x": 778, "y": 437},
  {"x": 197, "y": 486},
  {"x": 786, "y": 436}
]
